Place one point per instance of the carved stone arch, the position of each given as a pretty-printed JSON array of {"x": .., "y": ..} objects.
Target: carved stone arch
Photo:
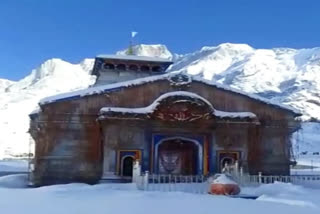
[{"x": 181, "y": 106}]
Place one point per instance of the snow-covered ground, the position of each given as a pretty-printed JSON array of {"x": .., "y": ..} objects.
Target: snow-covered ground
[
  {"x": 13, "y": 166},
  {"x": 312, "y": 171},
  {"x": 125, "y": 198},
  {"x": 306, "y": 145}
]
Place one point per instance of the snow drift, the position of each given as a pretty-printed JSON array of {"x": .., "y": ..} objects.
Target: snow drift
[
  {"x": 14, "y": 181},
  {"x": 110, "y": 198}
]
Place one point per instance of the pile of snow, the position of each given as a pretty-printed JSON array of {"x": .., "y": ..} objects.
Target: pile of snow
[
  {"x": 222, "y": 179},
  {"x": 84, "y": 199},
  {"x": 283, "y": 75},
  {"x": 285, "y": 193},
  {"x": 13, "y": 166},
  {"x": 274, "y": 189},
  {"x": 14, "y": 181}
]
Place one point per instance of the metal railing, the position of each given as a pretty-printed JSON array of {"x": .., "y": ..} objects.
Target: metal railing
[
  {"x": 252, "y": 180},
  {"x": 173, "y": 183},
  {"x": 200, "y": 184}
]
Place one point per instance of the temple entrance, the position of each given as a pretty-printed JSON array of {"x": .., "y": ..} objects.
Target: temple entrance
[
  {"x": 178, "y": 156},
  {"x": 127, "y": 166}
]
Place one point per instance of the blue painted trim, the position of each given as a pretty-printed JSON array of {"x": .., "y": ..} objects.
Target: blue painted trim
[{"x": 213, "y": 168}]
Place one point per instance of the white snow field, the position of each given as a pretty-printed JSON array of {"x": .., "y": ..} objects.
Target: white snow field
[
  {"x": 13, "y": 166},
  {"x": 283, "y": 75},
  {"x": 19, "y": 99},
  {"x": 306, "y": 145},
  {"x": 278, "y": 198}
]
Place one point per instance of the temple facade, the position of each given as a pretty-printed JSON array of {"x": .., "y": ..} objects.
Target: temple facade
[{"x": 171, "y": 123}]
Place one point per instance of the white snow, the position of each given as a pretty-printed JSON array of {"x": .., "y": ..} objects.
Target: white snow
[
  {"x": 19, "y": 99},
  {"x": 282, "y": 75},
  {"x": 151, "y": 108},
  {"x": 154, "y": 105},
  {"x": 125, "y": 198},
  {"x": 156, "y": 50},
  {"x": 315, "y": 170},
  {"x": 13, "y": 166},
  {"x": 5, "y": 84},
  {"x": 14, "y": 181},
  {"x": 253, "y": 96},
  {"x": 286, "y": 193},
  {"x": 308, "y": 152},
  {"x": 223, "y": 179},
  {"x": 223, "y": 114},
  {"x": 100, "y": 89},
  {"x": 104, "y": 88}
]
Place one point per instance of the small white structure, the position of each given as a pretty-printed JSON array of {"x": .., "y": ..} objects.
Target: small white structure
[{"x": 136, "y": 173}]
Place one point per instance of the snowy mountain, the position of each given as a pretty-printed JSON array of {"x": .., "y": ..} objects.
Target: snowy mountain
[
  {"x": 306, "y": 144},
  {"x": 20, "y": 98},
  {"x": 149, "y": 50},
  {"x": 4, "y": 84},
  {"x": 283, "y": 75}
]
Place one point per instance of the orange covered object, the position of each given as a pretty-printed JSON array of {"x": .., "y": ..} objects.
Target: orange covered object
[
  {"x": 223, "y": 185},
  {"x": 224, "y": 189}
]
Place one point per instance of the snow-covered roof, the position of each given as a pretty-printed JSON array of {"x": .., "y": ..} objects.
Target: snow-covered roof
[
  {"x": 134, "y": 58},
  {"x": 151, "y": 108},
  {"x": 117, "y": 86},
  {"x": 253, "y": 96},
  {"x": 101, "y": 89},
  {"x": 36, "y": 111},
  {"x": 227, "y": 114}
]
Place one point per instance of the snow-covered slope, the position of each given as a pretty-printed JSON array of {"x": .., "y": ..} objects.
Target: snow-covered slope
[
  {"x": 283, "y": 75},
  {"x": 306, "y": 144},
  {"x": 20, "y": 98},
  {"x": 4, "y": 84}
]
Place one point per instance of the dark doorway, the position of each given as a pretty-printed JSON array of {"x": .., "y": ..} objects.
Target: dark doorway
[
  {"x": 178, "y": 156},
  {"x": 127, "y": 166}
]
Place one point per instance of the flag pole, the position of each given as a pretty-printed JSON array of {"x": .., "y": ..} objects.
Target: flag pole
[{"x": 130, "y": 49}]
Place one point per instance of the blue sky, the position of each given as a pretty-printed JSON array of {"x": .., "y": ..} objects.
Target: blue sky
[{"x": 32, "y": 31}]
